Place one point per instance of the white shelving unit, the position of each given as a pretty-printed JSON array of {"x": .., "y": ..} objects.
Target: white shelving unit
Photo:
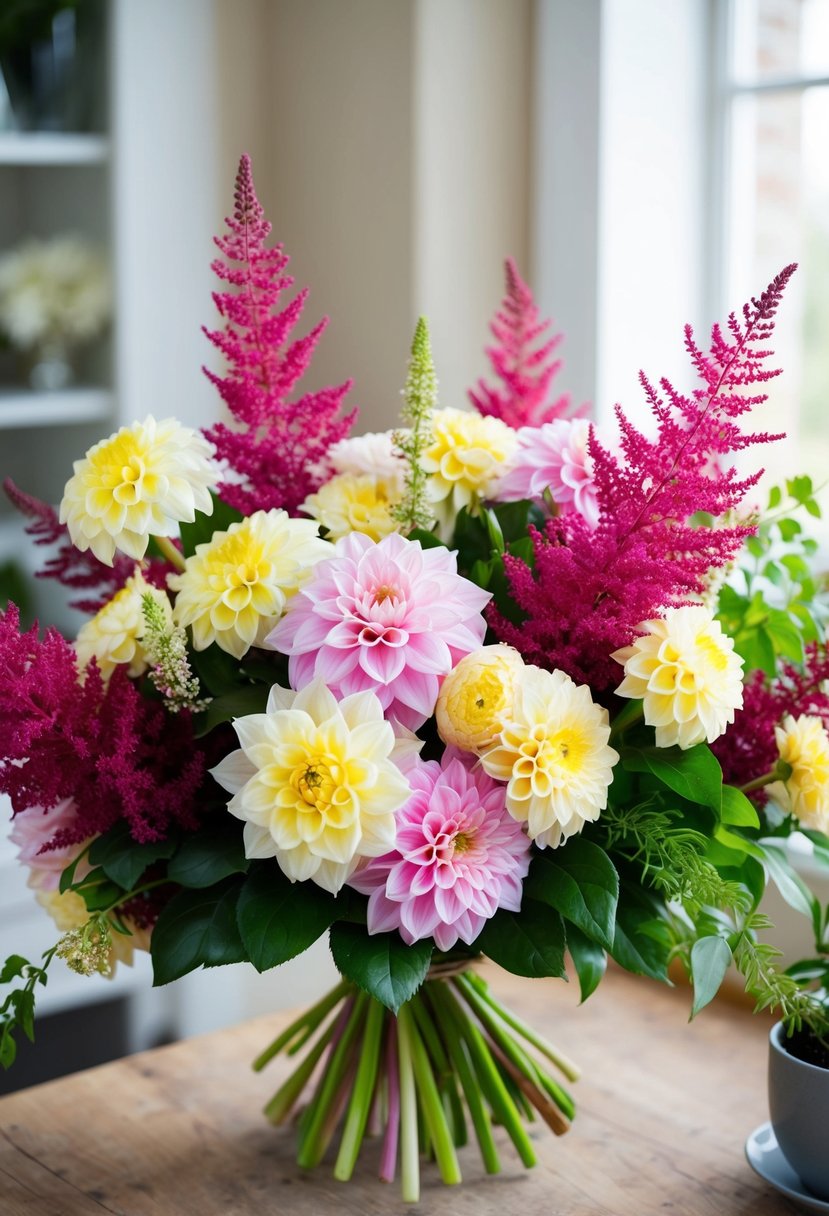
[
  {"x": 23, "y": 408},
  {"x": 52, "y": 149}
]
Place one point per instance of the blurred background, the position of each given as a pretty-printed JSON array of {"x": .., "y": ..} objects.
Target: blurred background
[{"x": 646, "y": 163}]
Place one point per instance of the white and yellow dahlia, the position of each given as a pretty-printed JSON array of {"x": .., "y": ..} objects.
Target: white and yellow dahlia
[
  {"x": 315, "y": 783},
  {"x": 353, "y": 502},
  {"x": 686, "y": 672},
  {"x": 553, "y": 753},
  {"x": 142, "y": 481},
  {"x": 235, "y": 586},
  {"x": 477, "y": 696},
  {"x": 803, "y": 744},
  {"x": 114, "y": 635},
  {"x": 466, "y": 455}
]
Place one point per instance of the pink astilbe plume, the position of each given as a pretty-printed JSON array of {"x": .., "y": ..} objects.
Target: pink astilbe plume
[
  {"x": 276, "y": 443},
  {"x": 116, "y": 754},
  {"x": 591, "y": 588},
  {"x": 748, "y": 749},
  {"x": 524, "y": 361},
  {"x": 69, "y": 565}
]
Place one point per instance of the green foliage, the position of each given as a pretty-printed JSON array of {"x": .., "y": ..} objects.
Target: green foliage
[
  {"x": 17, "y": 1012},
  {"x": 710, "y": 959},
  {"x": 197, "y": 929},
  {"x": 773, "y": 625},
  {"x": 381, "y": 964},
  {"x": 579, "y": 881},
  {"x": 213, "y": 853},
  {"x": 250, "y": 699},
  {"x": 279, "y": 919},
  {"x": 640, "y": 942},
  {"x": 589, "y": 960},
  {"x": 122, "y": 859},
  {"x": 694, "y": 774},
  {"x": 530, "y": 942},
  {"x": 203, "y": 527}
]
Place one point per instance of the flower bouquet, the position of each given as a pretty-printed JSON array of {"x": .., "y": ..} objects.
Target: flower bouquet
[{"x": 485, "y": 685}]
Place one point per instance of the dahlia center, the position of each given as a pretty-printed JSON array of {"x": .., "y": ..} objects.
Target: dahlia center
[
  {"x": 315, "y": 784},
  {"x": 128, "y": 487},
  {"x": 385, "y": 592},
  {"x": 463, "y": 843}
]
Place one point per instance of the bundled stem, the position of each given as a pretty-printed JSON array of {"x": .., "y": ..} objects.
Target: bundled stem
[{"x": 452, "y": 1051}]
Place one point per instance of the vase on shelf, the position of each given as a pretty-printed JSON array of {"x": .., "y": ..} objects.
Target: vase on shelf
[{"x": 50, "y": 367}]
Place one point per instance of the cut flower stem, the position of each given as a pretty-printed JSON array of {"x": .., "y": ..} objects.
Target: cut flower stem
[{"x": 452, "y": 1055}]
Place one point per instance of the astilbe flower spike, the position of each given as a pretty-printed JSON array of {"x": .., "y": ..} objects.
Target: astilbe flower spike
[
  {"x": 276, "y": 443},
  {"x": 68, "y": 565},
  {"x": 591, "y": 588},
  {"x": 524, "y": 361},
  {"x": 117, "y": 754}
]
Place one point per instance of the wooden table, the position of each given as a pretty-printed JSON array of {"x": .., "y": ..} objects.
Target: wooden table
[{"x": 664, "y": 1110}]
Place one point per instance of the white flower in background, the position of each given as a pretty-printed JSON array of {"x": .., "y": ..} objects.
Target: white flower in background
[
  {"x": 375, "y": 454},
  {"x": 316, "y": 783},
  {"x": 553, "y": 752},
  {"x": 114, "y": 635},
  {"x": 804, "y": 745},
  {"x": 235, "y": 587},
  {"x": 686, "y": 672},
  {"x": 56, "y": 290},
  {"x": 140, "y": 482},
  {"x": 466, "y": 455}
]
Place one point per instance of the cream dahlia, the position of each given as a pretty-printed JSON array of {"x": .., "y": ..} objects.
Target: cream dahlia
[
  {"x": 140, "y": 482},
  {"x": 353, "y": 502},
  {"x": 803, "y": 744},
  {"x": 687, "y": 674},
  {"x": 114, "y": 635},
  {"x": 236, "y": 585},
  {"x": 315, "y": 783},
  {"x": 466, "y": 455},
  {"x": 553, "y": 753}
]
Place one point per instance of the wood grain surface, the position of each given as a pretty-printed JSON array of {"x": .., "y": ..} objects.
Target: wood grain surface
[{"x": 664, "y": 1110}]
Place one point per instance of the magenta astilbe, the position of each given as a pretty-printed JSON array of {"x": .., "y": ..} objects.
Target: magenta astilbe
[
  {"x": 591, "y": 588},
  {"x": 524, "y": 361},
  {"x": 68, "y": 565},
  {"x": 278, "y": 442},
  {"x": 748, "y": 749},
  {"x": 116, "y": 753}
]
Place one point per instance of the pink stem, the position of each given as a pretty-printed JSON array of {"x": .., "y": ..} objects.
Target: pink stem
[{"x": 388, "y": 1160}]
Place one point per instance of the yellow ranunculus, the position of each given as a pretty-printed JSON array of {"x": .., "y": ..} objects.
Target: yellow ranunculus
[{"x": 476, "y": 697}]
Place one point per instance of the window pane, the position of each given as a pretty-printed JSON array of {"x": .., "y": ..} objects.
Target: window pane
[
  {"x": 780, "y": 214},
  {"x": 780, "y": 38}
]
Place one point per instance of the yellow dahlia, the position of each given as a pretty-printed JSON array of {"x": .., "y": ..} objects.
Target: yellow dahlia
[
  {"x": 553, "y": 753},
  {"x": 315, "y": 783},
  {"x": 688, "y": 675},
  {"x": 141, "y": 482},
  {"x": 114, "y": 635},
  {"x": 804, "y": 745},
  {"x": 235, "y": 586},
  {"x": 476, "y": 697},
  {"x": 466, "y": 455},
  {"x": 354, "y": 503}
]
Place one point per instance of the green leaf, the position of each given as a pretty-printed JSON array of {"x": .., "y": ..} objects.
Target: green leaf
[
  {"x": 785, "y": 635},
  {"x": 530, "y": 942},
  {"x": 789, "y": 529},
  {"x": 812, "y": 507},
  {"x": 737, "y": 810},
  {"x": 775, "y": 498},
  {"x": 636, "y": 946},
  {"x": 493, "y": 527},
  {"x": 755, "y": 546},
  {"x": 513, "y": 518},
  {"x": 381, "y": 963},
  {"x": 694, "y": 774},
  {"x": 217, "y": 670},
  {"x": 123, "y": 859},
  {"x": 8, "y": 1048},
  {"x": 789, "y": 883},
  {"x": 279, "y": 919},
  {"x": 197, "y": 929},
  {"x": 251, "y": 699},
  {"x": 25, "y": 1011},
  {"x": 13, "y": 968},
  {"x": 205, "y": 857},
  {"x": 203, "y": 526},
  {"x": 428, "y": 540},
  {"x": 589, "y": 960},
  {"x": 710, "y": 959},
  {"x": 800, "y": 487},
  {"x": 580, "y": 882}
]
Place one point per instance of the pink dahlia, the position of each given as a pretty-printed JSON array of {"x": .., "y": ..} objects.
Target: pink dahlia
[
  {"x": 390, "y": 617},
  {"x": 555, "y": 457},
  {"x": 33, "y": 831},
  {"x": 459, "y": 856}
]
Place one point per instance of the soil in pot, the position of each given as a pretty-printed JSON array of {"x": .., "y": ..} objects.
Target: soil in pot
[{"x": 803, "y": 1045}]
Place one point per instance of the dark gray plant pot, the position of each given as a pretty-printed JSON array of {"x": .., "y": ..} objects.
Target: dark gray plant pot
[{"x": 799, "y": 1109}]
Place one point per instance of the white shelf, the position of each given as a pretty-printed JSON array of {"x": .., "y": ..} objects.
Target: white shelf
[
  {"x": 52, "y": 148},
  {"x": 22, "y": 408}
]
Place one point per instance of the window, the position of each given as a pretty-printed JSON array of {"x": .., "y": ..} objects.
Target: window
[{"x": 771, "y": 123}]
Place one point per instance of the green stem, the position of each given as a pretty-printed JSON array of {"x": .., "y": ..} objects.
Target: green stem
[
  {"x": 127, "y": 896},
  {"x": 499, "y": 1099},
  {"x": 361, "y": 1094},
  {"x": 759, "y": 782},
  {"x": 433, "y": 1111},
  {"x": 469, "y": 1084},
  {"x": 283, "y": 1101},
  {"x": 409, "y": 1162},
  {"x": 317, "y": 1011},
  {"x": 562, "y": 1062},
  {"x": 318, "y": 1131},
  {"x": 169, "y": 550},
  {"x": 626, "y": 717}
]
